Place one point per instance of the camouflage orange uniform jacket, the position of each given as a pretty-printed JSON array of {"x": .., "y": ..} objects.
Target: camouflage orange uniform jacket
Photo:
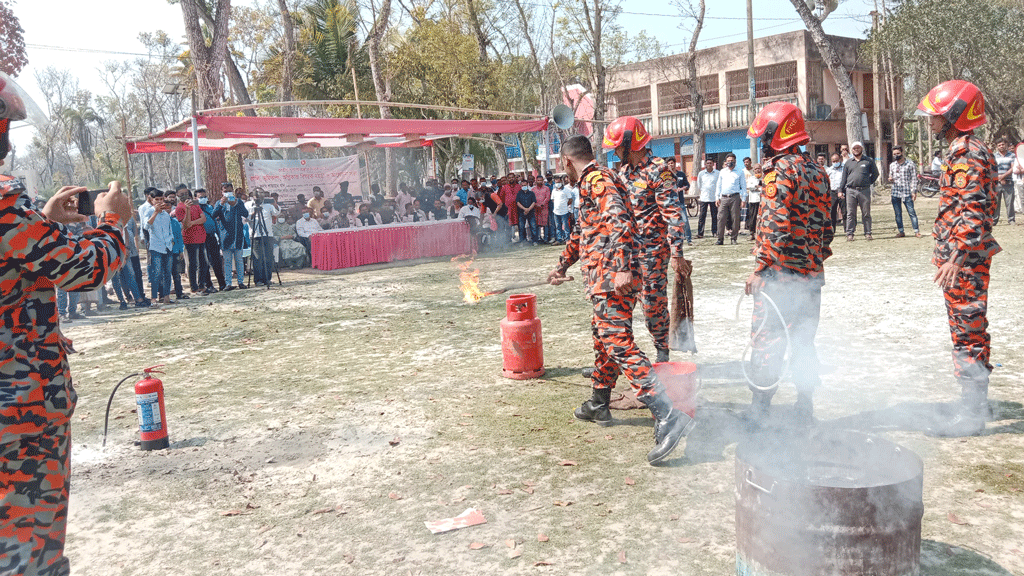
[
  {"x": 37, "y": 255},
  {"x": 963, "y": 227},
  {"x": 604, "y": 238},
  {"x": 655, "y": 205},
  {"x": 794, "y": 230}
]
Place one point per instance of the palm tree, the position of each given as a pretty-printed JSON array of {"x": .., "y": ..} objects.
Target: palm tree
[{"x": 78, "y": 122}]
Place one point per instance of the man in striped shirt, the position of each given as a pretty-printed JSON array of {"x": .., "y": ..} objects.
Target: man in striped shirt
[{"x": 903, "y": 177}]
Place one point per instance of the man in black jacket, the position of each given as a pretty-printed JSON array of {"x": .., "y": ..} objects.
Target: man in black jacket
[{"x": 859, "y": 173}]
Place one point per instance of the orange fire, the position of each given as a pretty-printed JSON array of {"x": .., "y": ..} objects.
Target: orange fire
[{"x": 470, "y": 278}]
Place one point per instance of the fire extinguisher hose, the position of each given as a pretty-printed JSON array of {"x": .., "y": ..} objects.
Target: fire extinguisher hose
[
  {"x": 106, "y": 417},
  {"x": 750, "y": 344}
]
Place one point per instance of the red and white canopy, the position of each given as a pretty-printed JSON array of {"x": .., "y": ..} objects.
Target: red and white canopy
[{"x": 244, "y": 133}]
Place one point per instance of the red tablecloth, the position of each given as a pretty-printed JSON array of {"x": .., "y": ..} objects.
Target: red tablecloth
[{"x": 359, "y": 246}]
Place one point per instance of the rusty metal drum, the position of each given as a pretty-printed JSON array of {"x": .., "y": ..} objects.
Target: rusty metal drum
[{"x": 827, "y": 503}]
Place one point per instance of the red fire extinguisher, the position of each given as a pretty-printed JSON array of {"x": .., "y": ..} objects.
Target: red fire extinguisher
[{"x": 149, "y": 400}]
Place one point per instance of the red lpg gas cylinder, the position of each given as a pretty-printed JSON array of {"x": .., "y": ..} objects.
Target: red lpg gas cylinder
[
  {"x": 149, "y": 398},
  {"x": 522, "y": 349}
]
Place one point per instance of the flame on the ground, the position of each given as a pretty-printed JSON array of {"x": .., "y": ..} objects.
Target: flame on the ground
[{"x": 470, "y": 279}]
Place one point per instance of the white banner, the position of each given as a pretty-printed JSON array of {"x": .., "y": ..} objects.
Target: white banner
[
  {"x": 289, "y": 178},
  {"x": 468, "y": 163}
]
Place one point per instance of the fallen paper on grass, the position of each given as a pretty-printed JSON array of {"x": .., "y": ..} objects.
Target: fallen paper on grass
[{"x": 471, "y": 517}]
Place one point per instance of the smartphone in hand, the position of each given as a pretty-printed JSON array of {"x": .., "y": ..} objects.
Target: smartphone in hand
[{"x": 87, "y": 201}]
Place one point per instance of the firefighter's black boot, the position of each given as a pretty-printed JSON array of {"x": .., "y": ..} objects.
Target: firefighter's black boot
[
  {"x": 803, "y": 410},
  {"x": 760, "y": 406},
  {"x": 596, "y": 409},
  {"x": 670, "y": 425},
  {"x": 969, "y": 414},
  {"x": 662, "y": 355}
]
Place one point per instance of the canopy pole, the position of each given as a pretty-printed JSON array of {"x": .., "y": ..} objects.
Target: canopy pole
[{"x": 195, "y": 152}]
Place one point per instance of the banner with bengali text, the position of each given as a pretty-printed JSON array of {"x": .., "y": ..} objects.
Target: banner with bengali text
[{"x": 289, "y": 178}]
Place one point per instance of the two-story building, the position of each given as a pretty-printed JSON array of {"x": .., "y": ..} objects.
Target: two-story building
[{"x": 787, "y": 67}]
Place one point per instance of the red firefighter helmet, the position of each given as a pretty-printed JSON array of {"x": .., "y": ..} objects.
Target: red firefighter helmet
[
  {"x": 779, "y": 125},
  {"x": 15, "y": 105},
  {"x": 958, "y": 101},
  {"x": 626, "y": 127}
]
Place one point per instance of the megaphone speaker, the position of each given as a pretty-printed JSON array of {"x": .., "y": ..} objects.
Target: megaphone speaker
[{"x": 562, "y": 115}]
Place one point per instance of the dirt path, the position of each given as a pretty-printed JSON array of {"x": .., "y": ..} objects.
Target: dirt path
[{"x": 315, "y": 427}]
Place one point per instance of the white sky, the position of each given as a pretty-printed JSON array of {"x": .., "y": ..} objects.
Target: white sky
[{"x": 79, "y": 35}]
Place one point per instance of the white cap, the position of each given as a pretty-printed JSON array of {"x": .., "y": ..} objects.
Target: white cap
[{"x": 855, "y": 144}]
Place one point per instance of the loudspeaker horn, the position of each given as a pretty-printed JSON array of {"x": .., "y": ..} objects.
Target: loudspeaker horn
[{"x": 562, "y": 115}]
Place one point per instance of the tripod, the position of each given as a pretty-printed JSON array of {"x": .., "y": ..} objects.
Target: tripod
[{"x": 262, "y": 255}]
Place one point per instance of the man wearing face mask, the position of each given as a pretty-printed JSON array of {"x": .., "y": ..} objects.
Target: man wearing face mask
[
  {"x": 605, "y": 241},
  {"x": 231, "y": 212},
  {"x": 903, "y": 177},
  {"x": 213, "y": 255},
  {"x": 561, "y": 206},
  {"x": 192, "y": 217},
  {"x": 304, "y": 229}
]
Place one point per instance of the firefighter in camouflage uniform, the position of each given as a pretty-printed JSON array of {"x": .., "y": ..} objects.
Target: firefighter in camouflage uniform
[
  {"x": 604, "y": 240},
  {"x": 37, "y": 399},
  {"x": 793, "y": 238},
  {"x": 659, "y": 221},
  {"x": 964, "y": 246}
]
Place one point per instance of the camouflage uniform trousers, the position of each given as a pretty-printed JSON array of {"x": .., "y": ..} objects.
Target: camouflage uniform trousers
[
  {"x": 34, "y": 481},
  {"x": 654, "y": 292},
  {"x": 967, "y": 306},
  {"x": 617, "y": 352},
  {"x": 799, "y": 301}
]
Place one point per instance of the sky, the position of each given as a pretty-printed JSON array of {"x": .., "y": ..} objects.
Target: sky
[{"x": 79, "y": 36}]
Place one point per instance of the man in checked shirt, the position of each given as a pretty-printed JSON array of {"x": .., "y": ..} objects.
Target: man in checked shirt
[{"x": 903, "y": 177}]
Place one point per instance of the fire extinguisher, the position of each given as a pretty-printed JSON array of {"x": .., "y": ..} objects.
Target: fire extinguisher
[{"x": 149, "y": 400}]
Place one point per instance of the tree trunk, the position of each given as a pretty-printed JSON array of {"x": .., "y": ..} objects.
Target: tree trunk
[
  {"x": 600, "y": 78},
  {"x": 381, "y": 84},
  {"x": 478, "y": 30},
  {"x": 696, "y": 95},
  {"x": 207, "y": 62},
  {"x": 288, "y": 56},
  {"x": 835, "y": 65}
]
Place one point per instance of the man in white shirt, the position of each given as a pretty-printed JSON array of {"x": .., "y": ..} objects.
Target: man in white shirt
[
  {"x": 470, "y": 209},
  {"x": 835, "y": 176},
  {"x": 936, "y": 165},
  {"x": 1018, "y": 182},
  {"x": 561, "y": 205},
  {"x": 306, "y": 227},
  {"x": 730, "y": 196},
  {"x": 707, "y": 183},
  {"x": 753, "y": 199}
]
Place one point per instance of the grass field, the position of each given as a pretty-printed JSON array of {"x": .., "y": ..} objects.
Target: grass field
[{"x": 316, "y": 426}]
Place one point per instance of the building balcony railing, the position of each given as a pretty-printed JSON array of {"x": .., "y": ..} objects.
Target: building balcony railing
[
  {"x": 682, "y": 122},
  {"x": 739, "y": 114}
]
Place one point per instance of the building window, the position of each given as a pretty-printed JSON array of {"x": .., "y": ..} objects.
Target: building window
[
  {"x": 775, "y": 80},
  {"x": 676, "y": 95},
  {"x": 815, "y": 83},
  {"x": 673, "y": 96},
  {"x": 820, "y": 149},
  {"x": 739, "y": 85},
  {"x": 633, "y": 102},
  {"x": 769, "y": 81},
  {"x": 869, "y": 90}
]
